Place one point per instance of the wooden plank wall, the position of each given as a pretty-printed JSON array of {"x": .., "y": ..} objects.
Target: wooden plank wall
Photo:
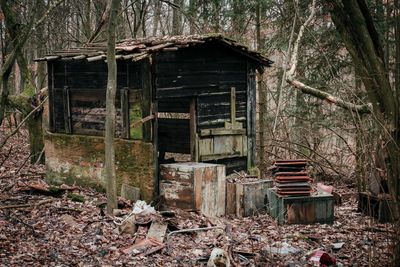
[
  {"x": 207, "y": 72},
  {"x": 77, "y": 92}
]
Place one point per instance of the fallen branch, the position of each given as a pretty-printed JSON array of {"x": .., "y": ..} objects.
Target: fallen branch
[
  {"x": 34, "y": 232},
  {"x": 193, "y": 230},
  {"x": 7, "y": 156},
  {"x": 27, "y": 205},
  {"x": 362, "y": 109},
  {"x": 290, "y": 77}
]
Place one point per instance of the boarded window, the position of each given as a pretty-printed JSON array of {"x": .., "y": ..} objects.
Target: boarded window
[{"x": 88, "y": 112}]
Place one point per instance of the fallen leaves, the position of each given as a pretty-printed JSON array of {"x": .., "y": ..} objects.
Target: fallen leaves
[{"x": 39, "y": 229}]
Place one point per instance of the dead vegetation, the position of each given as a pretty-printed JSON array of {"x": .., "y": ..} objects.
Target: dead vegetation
[{"x": 39, "y": 228}]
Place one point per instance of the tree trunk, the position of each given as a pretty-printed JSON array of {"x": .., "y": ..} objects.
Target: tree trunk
[
  {"x": 177, "y": 18},
  {"x": 156, "y": 17},
  {"x": 355, "y": 25},
  {"x": 110, "y": 110},
  {"x": 262, "y": 92}
]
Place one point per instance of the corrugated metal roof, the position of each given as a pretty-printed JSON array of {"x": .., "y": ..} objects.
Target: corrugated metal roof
[{"x": 137, "y": 49}]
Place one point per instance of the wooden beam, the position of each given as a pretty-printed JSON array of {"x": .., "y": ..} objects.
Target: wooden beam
[
  {"x": 79, "y": 57},
  {"x": 96, "y": 58},
  {"x": 251, "y": 116},
  {"x": 125, "y": 113},
  {"x": 156, "y": 179},
  {"x": 233, "y": 105},
  {"x": 217, "y": 131},
  {"x": 193, "y": 130},
  {"x": 50, "y": 81},
  {"x": 146, "y": 98},
  {"x": 67, "y": 110}
]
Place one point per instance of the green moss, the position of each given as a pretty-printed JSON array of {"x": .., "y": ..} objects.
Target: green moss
[
  {"x": 254, "y": 171},
  {"x": 135, "y": 115},
  {"x": 84, "y": 154},
  {"x": 76, "y": 197}
]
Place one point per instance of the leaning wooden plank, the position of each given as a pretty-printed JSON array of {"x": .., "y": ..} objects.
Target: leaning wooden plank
[
  {"x": 158, "y": 47},
  {"x": 96, "y": 58},
  {"x": 79, "y": 57},
  {"x": 158, "y": 231}
]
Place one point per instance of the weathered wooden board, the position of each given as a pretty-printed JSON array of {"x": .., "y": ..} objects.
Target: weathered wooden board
[
  {"x": 222, "y": 146},
  {"x": 383, "y": 208},
  {"x": 250, "y": 197},
  {"x": 230, "y": 198},
  {"x": 193, "y": 185},
  {"x": 302, "y": 209},
  {"x": 158, "y": 231}
]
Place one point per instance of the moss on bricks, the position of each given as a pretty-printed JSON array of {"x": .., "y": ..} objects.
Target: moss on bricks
[{"x": 82, "y": 159}]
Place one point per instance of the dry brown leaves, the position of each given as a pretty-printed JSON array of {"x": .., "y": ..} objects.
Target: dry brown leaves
[{"x": 63, "y": 232}]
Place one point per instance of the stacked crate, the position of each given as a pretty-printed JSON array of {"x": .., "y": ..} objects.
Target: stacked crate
[{"x": 291, "y": 177}]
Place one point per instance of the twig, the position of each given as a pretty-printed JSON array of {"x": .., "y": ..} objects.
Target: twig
[
  {"x": 238, "y": 173},
  {"x": 7, "y": 156},
  {"x": 23, "y": 164},
  {"x": 70, "y": 209},
  {"x": 35, "y": 233},
  {"x": 27, "y": 205},
  {"x": 40, "y": 156},
  {"x": 194, "y": 230}
]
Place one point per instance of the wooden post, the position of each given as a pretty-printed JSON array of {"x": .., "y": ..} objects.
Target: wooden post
[
  {"x": 156, "y": 180},
  {"x": 50, "y": 81},
  {"x": 67, "y": 110},
  {"x": 233, "y": 106},
  {"x": 125, "y": 113},
  {"x": 146, "y": 97},
  {"x": 251, "y": 116},
  {"x": 193, "y": 130}
]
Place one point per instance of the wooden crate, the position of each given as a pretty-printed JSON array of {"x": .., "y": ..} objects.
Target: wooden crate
[
  {"x": 247, "y": 198},
  {"x": 192, "y": 185},
  {"x": 317, "y": 208},
  {"x": 381, "y": 207}
]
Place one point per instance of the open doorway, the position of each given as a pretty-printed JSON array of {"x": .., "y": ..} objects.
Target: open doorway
[{"x": 175, "y": 130}]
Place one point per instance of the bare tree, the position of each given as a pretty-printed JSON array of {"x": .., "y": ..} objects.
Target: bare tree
[{"x": 110, "y": 109}]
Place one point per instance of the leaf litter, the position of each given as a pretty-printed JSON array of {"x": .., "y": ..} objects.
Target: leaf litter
[{"x": 39, "y": 229}]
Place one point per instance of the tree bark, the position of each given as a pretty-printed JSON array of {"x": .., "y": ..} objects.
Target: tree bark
[
  {"x": 177, "y": 18},
  {"x": 110, "y": 110},
  {"x": 26, "y": 101}
]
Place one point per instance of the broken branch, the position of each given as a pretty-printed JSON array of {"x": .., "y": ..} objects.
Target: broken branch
[
  {"x": 362, "y": 109},
  {"x": 290, "y": 77}
]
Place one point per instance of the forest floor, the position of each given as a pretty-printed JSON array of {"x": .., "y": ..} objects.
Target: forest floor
[{"x": 57, "y": 231}]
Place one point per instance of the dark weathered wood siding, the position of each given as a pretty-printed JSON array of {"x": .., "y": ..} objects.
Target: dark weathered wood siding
[
  {"x": 207, "y": 72},
  {"x": 77, "y": 92}
]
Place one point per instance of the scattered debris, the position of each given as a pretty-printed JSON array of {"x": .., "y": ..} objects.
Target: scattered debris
[
  {"x": 337, "y": 246},
  {"x": 130, "y": 192},
  {"x": 157, "y": 231},
  {"x": 144, "y": 248},
  {"x": 282, "y": 248},
  {"x": 321, "y": 258},
  {"x": 142, "y": 208},
  {"x": 219, "y": 258},
  {"x": 128, "y": 226}
]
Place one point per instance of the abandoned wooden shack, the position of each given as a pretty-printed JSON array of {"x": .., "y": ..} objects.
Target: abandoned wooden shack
[{"x": 193, "y": 95}]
